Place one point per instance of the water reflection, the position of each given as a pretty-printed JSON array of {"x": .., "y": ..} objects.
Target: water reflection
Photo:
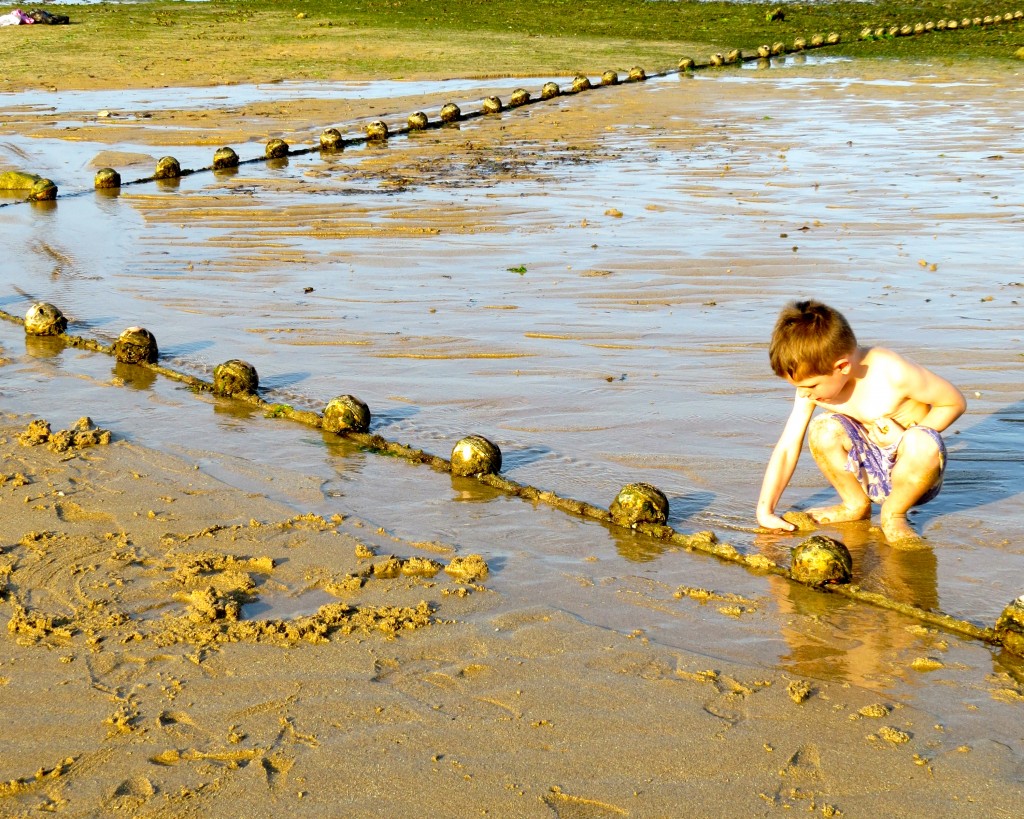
[
  {"x": 44, "y": 346},
  {"x": 134, "y": 376}
]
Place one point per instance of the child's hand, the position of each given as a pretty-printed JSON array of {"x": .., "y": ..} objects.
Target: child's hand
[{"x": 769, "y": 520}]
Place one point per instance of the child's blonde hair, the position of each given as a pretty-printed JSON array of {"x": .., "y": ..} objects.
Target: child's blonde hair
[{"x": 808, "y": 339}]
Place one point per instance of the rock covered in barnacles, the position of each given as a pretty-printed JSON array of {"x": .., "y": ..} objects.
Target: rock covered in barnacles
[
  {"x": 491, "y": 105},
  {"x": 475, "y": 455},
  {"x": 637, "y": 74},
  {"x": 820, "y": 560},
  {"x": 733, "y": 56},
  {"x": 639, "y": 503},
  {"x": 580, "y": 83},
  {"x": 468, "y": 569},
  {"x": 235, "y": 377},
  {"x": 276, "y": 149},
  {"x": 1010, "y": 627},
  {"x": 764, "y": 50},
  {"x": 549, "y": 90},
  {"x": 686, "y": 64},
  {"x": 346, "y": 413},
  {"x": 330, "y": 140},
  {"x": 107, "y": 178},
  {"x": 167, "y": 167},
  {"x": 817, "y": 40},
  {"x": 450, "y": 112},
  {"x": 519, "y": 97},
  {"x": 833, "y": 38},
  {"x": 377, "y": 131},
  {"x": 778, "y": 49},
  {"x": 799, "y": 44},
  {"x": 610, "y": 78},
  {"x": 417, "y": 121},
  {"x": 716, "y": 60},
  {"x": 225, "y": 158},
  {"x": 43, "y": 319},
  {"x": 136, "y": 345}
]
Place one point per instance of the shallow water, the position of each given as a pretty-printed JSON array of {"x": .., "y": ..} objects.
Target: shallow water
[{"x": 478, "y": 280}]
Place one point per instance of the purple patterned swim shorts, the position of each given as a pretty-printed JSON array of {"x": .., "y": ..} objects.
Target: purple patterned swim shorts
[{"x": 873, "y": 464}]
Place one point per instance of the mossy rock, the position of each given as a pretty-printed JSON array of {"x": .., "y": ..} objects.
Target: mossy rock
[
  {"x": 519, "y": 97},
  {"x": 235, "y": 377},
  {"x": 330, "y": 140},
  {"x": 491, "y": 105},
  {"x": 450, "y": 112},
  {"x": 639, "y": 503},
  {"x": 44, "y": 319},
  {"x": 167, "y": 167},
  {"x": 820, "y": 560},
  {"x": 418, "y": 121},
  {"x": 377, "y": 131},
  {"x": 346, "y": 413},
  {"x": 550, "y": 90},
  {"x": 136, "y": 345},
  {"x": 107, "y": 178},
  {"x": 225, "y": 158},
  {"x": 475, "y": 455},
  {"x": 39, "y": 188},
  {"x": 276, "y": 149},
  {"x": 580, "y": 83},
  {"x": 1010, "y": 627},
  {"x": 610, "y": 78}
]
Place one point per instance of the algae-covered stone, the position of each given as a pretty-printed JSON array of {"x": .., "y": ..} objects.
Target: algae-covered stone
[
  {"x": 167, "y": 167},
  {"x": 377, "y": 131},
  {"x": 764, "y": 50},
  {"x": 610, "y": 78},
  {"x": 418, "y": 121},
  {"x": 421, "y": 567},
  {"x": 346, "y": 413},
  {"x": 637, "y": 74},
  {"x": 135, "y": 346},
  {"x": 450, "y": 112},
  {"x": 820, "y": 560},
  {"x": 43, "y": 319},
  {"x": 778, "y": 49},
  {"x": 475, "y": 455},
  {"x": 580, "y": 83},
  {"x": 639, "y": 503},
  {"x": 491, "y": 105},
  {"x": 330, "y": 140},
  {"x": 817, "y": 40},
  {"x": 686, "y": 64},
  {"x": 716, "y": 60},
  {"x": 39, "y": 189},
  {"x": 519, "y": 97},
  {"x": 276, "y": 149},
  {"x": 549, "y": 90},
  {"x": 733, "y": 56},
  {"x": 1010, "y": 627},
  {"x": 225, "y": 158},
  {"x": 799, "y": 44},
  {"x": 107, "y": 178},
  {"x": 833, "y": 38},
  {"x": 235, "y": 377},
  {"x": 468, "y": 569}
]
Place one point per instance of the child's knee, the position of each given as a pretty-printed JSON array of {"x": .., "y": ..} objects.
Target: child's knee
[
  {"x": 826, "y": 434},
  {"x": 920, "y": 447}
]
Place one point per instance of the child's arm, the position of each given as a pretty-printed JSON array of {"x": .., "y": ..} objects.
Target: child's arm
[
  {"x": 944, "y": 402},
  {"x": 782, "y": 464}
]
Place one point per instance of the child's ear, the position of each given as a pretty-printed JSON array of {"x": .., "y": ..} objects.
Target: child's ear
[{"x": 843, "y": 366}]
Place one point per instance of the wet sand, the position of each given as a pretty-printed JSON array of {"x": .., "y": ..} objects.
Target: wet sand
[{"x": 656, "y": 229}]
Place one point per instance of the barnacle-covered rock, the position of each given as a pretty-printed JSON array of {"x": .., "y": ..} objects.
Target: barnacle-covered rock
[
  {"x": 450, "y": 112},
  {"x": 610, "y": 78},
  {"x": 549, "y": 90},
  {"x": 418, "y": 121},
  {"x": 817, "y": 40},
  {"x": 733, "y": 56},
  {"x": 906, "y": 30},
  {"x": 107, "y": 178},
  {"x": 276, "y": 149},
  {"x": 136, "y": 345},
  {"x": 330, "y": 140},
  {"x": 346, "y": 413},
  {"x": 377, "y": 131},
  {"x": 235, "y": 377},
  {"x": 637, "y": 74},
  {"x": 519, "y": 97},
  {"x": 820, "y": 560},
  {"x": 716, "y": 60},
  {"x": 833, "y": 38},
  {"x": 778, "y": 49},
  {"x": 167, "y": 167},
  {"x": 580, "y": 83},
  {"x": 468, "y": 569},
  {"x": 639, "y": 503},
  {"x": 475, "y": 455},
  {"x": 686, "y": 64},
  {"x": 43, "y": 319},
  {"x": 1010, "y": 627},
  {"x": 491, "y": 105},
  {"x": 764, "y": 50},
  {"x": 225, "y": 158},
  {"x": 799, "y": 44}
]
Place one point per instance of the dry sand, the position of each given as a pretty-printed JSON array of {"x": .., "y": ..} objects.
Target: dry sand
[{"x": 129, "y": 685}]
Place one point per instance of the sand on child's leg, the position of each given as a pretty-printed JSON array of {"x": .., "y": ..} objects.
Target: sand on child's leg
[{"x": 830, "y": 445}]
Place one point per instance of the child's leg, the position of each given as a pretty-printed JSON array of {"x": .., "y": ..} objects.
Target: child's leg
[
  {"x": 918, "y": 470},
  {"x": 830, "y": 445}
]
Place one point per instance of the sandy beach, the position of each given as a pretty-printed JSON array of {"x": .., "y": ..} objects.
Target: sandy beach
[{"x": 214, "y": 611}]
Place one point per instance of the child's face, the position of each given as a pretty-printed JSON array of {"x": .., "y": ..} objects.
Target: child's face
[{"x": 824, "y": 387}]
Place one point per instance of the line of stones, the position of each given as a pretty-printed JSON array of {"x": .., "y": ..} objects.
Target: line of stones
[
  {"x": 819, "y": 561},
  {"x": 331, "y": 139}
]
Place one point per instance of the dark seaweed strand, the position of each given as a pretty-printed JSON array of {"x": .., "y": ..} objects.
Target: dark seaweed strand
[
  {"x": 893, "y": 31},
  {"x": 706, "y": 542}
]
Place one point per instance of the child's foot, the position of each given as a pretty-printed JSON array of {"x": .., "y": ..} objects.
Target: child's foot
[
  {"x": 840, "y": 513},
  {"x": 900, "y": 534}
]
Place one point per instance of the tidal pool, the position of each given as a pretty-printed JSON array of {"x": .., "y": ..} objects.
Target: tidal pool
[{"x": 590, "y": 283}]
